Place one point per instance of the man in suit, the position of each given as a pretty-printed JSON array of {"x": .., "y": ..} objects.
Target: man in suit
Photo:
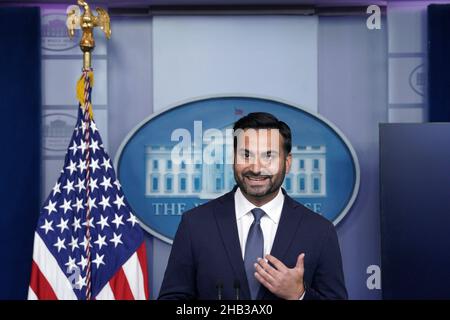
[{"x": 255, "y": 242}]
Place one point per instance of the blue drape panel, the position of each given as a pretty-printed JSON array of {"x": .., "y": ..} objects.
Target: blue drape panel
[{"x": 20, "y": 103}]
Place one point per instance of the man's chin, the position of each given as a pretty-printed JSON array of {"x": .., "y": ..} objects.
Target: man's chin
[{"x": 257, "y": 192}]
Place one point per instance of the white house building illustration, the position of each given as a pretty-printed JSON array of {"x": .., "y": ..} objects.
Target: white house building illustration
[{"x": 164, "y": 178}]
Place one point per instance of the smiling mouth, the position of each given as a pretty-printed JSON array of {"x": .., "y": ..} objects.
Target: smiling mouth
[
  {"x": 258, "y": 178},
  {"x": 255, "y": 180}
]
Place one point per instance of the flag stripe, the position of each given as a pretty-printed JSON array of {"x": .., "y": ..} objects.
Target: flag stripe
[
  {"x": 39, "y": 283},
  {"x": 133, "y": 272},
  {"x": 120, "y": 287},
  {"x": 142, "y": 255},
  {"x": 106, "y": 293},
  {"x": 31, "y": 294},
  {"x": 46, "y": 262}
]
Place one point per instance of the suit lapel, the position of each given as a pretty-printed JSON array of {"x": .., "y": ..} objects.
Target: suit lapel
[
  {"x": 226, "y": 220},
  {"x": 287, "y": 227}
]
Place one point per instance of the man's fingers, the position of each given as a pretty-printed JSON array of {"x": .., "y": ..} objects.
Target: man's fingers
[
  {"x": 301, "y": 262},
  {"x": 263, "y": 281},
  {"x": 267, "y": 267},
  {"x": 263, "y": 273},
  {"x": 277, "y": 263}
]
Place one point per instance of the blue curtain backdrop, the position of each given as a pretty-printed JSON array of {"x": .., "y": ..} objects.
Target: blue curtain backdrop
[
  {"x": 20, "y": 103},
  {"x": 439, "y": 62}
]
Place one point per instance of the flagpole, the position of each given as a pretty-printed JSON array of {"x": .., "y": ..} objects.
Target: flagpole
[{"x": 87, "y": 22}]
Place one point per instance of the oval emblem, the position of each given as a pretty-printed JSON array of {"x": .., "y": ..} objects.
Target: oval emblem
[
  {"x": 324, "y": 174},
  {"x": 57, "y": 131},
  {"x": 417, "y": 79},
  {"x": 54, "y": 33}
]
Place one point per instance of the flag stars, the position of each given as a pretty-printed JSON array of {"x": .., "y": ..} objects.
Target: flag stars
[
  {"x": 94, "y": 165},
  {"x": 104, "y": 203},
  {"x": 119, "y": 202},
  {"x": 132, "y": 219},
  {"x": 74, "y": 243},
  {"x": 56, "y": 188},
  {"x": 94, "y": 146},
  {"x": 80, "y": 185},
  {"x": 90, "y": 222},
  {"x": 93, "y": 127},
  {"x": 69, "y": 186},
  {"x": 83, "y": 126},
  {"x": 106, "y": 164},
  {"x": 47, "y": 226},
  {"x": 85, "y": 243},
  {"x": 63, "y": 225},
  {"x": 98, "y": 260},
  {"x": 83, "y": 262},
  {"x": 101, "y": 242},
  {"x": 66, "y": 206},
  {"x": 103, "y": 222},
  {"x": 82, "y": 165},
  {"x": 82, "y": 146},
  {"x": 50, "y": 207},
  {"x": 117, "y": 220},
  {"x": 116, "y": 239},
  {"x": 91, "y": 203},
  {"x": 118, "y": 185},
  {"x": 81, "y": 282},
  {"x": 74, "y": 147},
  {"x": 72, "y": 167},
  {"x": 93, "y": 184},
  {"x": 70, "y": 264},
  {"x": 60, "y": 244},
  {"x": 78, "y": 204},
  {"x": 106, "y": 183},
  {"x": 76, "y": 224}
]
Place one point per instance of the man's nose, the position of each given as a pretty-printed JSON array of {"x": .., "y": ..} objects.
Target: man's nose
[{"x": 256, "y": 165}]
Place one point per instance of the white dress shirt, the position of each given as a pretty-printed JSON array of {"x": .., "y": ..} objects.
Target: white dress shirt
[{"x": 269, "y": 222}]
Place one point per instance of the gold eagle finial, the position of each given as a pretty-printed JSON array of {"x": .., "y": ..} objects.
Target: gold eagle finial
[{"x": 87, "y": 22}]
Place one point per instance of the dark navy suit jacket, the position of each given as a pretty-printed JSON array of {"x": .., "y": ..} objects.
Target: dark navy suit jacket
[{"x": 206, "y": 251}]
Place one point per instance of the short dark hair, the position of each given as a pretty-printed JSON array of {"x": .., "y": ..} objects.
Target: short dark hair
[{"x": 264, "y": 120}]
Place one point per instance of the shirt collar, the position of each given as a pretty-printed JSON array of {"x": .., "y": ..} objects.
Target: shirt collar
[{"x": 273, "y": 208}]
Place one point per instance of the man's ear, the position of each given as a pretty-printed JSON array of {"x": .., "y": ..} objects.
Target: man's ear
[{"x": 288, "y": 162}]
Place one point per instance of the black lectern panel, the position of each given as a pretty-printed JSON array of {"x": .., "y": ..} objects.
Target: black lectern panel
[
  {"x": 438, "y": 63},
  {"x": 415, "y": 210}
]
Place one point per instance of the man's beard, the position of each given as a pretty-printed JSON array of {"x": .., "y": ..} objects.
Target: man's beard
[{"x": 274, "y": 183}]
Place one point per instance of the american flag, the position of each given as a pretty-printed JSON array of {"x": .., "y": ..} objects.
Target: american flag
[{"x": 88, "y": 244}]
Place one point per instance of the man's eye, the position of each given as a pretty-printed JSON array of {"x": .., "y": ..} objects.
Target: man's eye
[{"x": 245, "y": 155}]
